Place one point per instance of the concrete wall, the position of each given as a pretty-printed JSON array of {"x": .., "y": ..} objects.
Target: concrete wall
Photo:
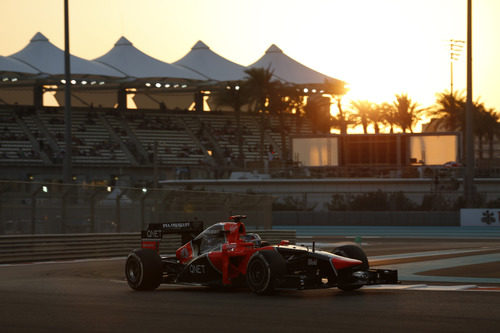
[
  {"x": 392, "y": 218},
  {"x": 318, "y": 192}
]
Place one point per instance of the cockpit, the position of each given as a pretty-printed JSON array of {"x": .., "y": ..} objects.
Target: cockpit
[{"x": 210, "y": 240}]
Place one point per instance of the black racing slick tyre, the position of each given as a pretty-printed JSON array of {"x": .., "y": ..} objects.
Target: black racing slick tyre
[
  {"x": 264, "y": 270},
  {"x": 352, "y": 251},
  {"x": 143, "y": 269}
]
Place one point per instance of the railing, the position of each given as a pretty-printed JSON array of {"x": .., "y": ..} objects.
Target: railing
[{"x": 52, "y": 208}]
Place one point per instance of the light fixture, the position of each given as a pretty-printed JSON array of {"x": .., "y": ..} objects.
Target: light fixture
[
  {"x": 144, "y": 190},
  {"x": 148, "y": 84},
  {"x": 306, "y": 90},
  {"x": 184, "y": 86},
  {"x": 101, "y": 83},
  {"x": 45, "y": 189},
  {"x": 5, "y": 79},
  {"x": 73, "y": 81},
  {"x": 84, "y": 82},
  {"x": 158, "y": 85},
  {"x": 93, "y": 82},
  {"x": 108, "y": 188},
  {"x": 14, "y": 79},
  {"x": 237, "y": 88},
  {"x": 167, "y": 85}
]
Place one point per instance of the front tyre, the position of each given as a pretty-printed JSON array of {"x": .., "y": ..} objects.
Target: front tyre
[
  {"x": 264, "y": 270},
  {"x": 143, "y": 269},
  {"x": 346, "y": 281}
]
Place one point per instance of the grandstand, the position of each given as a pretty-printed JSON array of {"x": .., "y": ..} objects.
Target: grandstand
[{"x": 106, "y": 139}]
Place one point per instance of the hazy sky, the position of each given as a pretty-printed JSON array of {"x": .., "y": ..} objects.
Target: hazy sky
[{"x": 380, "y": 47}]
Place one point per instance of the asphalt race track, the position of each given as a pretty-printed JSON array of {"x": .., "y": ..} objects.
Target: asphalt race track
[{"x": 92, "y": 296}]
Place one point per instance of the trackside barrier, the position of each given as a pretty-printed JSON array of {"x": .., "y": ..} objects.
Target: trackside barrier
[{"x": 32, "y": 248}]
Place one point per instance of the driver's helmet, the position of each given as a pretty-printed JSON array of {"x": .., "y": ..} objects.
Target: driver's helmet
[{"x": 254, "y": 238}]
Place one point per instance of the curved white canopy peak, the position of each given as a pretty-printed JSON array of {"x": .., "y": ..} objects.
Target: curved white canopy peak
[
  {"x": 47, "y": 58},
  {"x": 132, "y": 62},
  {"x": 212, "y": 66}
]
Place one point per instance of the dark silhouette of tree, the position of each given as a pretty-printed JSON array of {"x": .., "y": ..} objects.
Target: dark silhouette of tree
[
  {"x": 487, "y": 126},
  {"x": 389, "y": 115},
  {"x": 284, "y": 102},
  {"x": 261, "y": 87},
  {"x": 336, "y": 89},
  {"x": 342, "y": 119},
  {"x": 378, "y": 117},
  {"x": 449, "y": 114},
  {"x": 234, "y": 96},
  {"x": 407, "y": 112},
  {"x": 317, "y": 110},
  {"x": 362, "y": 113}
]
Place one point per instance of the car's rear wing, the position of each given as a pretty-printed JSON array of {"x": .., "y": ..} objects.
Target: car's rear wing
[{"x": 151, "y": 237}]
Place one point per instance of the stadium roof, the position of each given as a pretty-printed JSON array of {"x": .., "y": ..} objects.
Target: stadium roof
[
  {"x": 10, "y": 65},
  {"x": 212, "y": 66},
  {"x": 134, "y": 63},
  {"x": 287, "y": 69},
  {"x": 48, "y": 59}
]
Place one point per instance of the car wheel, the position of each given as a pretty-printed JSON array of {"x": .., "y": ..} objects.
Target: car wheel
[
  {"x": 353, "y": 251},
  {"x": 143, "y": 269},
  {"x": 263, "y": 271}
]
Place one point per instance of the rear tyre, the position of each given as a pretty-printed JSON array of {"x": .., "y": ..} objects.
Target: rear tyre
[
  {"x": 143, "y": 269},
  {"x": 346, "y": 281},
  {"x": 264, "y": 270}
]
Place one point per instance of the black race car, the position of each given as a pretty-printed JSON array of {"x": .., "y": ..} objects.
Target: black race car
[{"x": 226, "y": 255}]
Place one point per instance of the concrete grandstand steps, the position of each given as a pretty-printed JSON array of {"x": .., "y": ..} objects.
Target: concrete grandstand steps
[
  {"x": 15, "y": 143},
  {"x": 175, "y": 145}
]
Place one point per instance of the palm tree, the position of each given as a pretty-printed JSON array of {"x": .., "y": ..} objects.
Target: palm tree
[
  {"x": 407, "y": 112},
  {"x": 449, "y": 114},
  {"x": 285, "y": 100},
  {"x": 336, "y": 89},
  {"x": 260, "y": 86},
  {"x": 449, "y": 111},
  {"x": 317, "y": 110},
  {"x": 492, "y": 128},
  {"x": 234, "y": 96},
  {"x": 389, "y": 114},
  {"x": 486, "y": 124},
  {"x": 363, "y": 110},
  {"x": 378, "y": 117}
]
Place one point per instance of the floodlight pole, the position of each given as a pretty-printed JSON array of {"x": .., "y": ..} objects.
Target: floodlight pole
[
  {"x": 469, "y": 119},
  {"x": 67, "y": 102}
]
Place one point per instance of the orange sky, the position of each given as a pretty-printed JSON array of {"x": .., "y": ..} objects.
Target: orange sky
[{"x": 380, "y": 47}]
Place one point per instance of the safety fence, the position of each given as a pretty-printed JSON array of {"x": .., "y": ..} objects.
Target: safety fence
[
  {"x": 34, "y": 248},
  {"x": 38, "y": 208}
]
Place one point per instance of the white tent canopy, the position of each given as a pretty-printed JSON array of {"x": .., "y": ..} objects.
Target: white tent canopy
[
  {"x": 212, "y": 66},
  {"x": 135, "y": 64},
  {"x": 287, "y": 69},
  {"x": 49, "y": 59},
  {"x": 10, "y": 65}
]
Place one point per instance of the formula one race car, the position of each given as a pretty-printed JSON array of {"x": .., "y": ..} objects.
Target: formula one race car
[{"x": 225, "y": 255}]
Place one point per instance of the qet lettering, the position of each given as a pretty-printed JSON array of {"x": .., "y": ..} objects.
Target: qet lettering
[
  {"x": 153, "y": 233},
  {"x": 197, "y": 269}
]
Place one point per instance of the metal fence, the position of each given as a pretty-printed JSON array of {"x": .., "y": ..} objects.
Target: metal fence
[{"x": 37, "y": 208}]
